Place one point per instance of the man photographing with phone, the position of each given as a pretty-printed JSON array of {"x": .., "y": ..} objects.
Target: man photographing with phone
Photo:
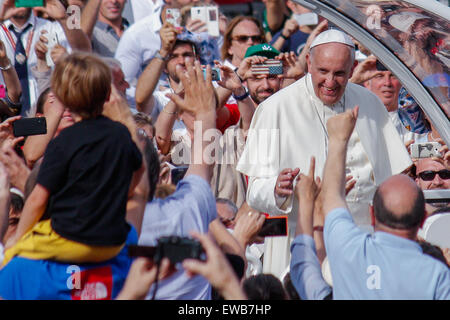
[{"x": 249, "y": 89}]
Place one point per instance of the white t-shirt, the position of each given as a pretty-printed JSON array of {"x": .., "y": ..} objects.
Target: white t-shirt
[
  {"x": 143, "y": 8},
  {"x": 137, "y": 46},
  {"x": 160, "y": 101}
]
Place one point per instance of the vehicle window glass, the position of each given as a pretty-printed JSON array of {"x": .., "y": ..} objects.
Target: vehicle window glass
[{"x": 419, "y": 38}]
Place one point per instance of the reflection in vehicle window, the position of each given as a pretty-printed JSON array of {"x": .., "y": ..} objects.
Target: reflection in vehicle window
[{"x": 421, "y": 39}]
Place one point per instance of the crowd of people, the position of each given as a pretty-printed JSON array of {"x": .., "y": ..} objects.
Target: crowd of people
[{"x": 161, "y": 135}]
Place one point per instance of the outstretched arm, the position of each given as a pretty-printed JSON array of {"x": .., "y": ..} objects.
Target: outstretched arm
[
  {"x": 200, "y": 100},
  {"x": 89, "y": 16},
  {"x": 231, "y": 81},
  {"x": 76, "y": 37},
  {"x": 340, "y": 128},
  {"x": 149, "y": 78},
  {"x": 275, "y": 13},
  {"x": 307, "y": 190}
]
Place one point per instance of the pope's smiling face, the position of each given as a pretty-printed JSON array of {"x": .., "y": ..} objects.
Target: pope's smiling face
[{"x": 330, "y": 66}]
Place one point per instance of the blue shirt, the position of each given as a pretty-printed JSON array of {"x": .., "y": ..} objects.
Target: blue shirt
[
  {"x": 192, "y": 207},
  {"x": 296, "y": 42},
  {"x": 380, "y": 266},
  {"x": 306, "y": 274}
]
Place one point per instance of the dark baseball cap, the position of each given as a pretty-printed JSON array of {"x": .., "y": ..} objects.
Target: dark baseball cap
[{"x": 264, "y": 50}]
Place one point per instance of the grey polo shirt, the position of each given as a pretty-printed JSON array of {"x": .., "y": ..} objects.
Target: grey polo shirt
[{"x": 105, "y": 39}]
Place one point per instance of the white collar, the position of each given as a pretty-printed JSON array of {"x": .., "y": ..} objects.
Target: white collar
[{"x": 340, "y": 105}]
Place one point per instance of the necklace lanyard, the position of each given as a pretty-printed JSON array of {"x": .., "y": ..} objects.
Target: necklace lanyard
[{"x": 13, "y": 43}]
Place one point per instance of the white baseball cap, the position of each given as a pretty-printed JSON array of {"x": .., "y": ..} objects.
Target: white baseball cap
[{"x": 332, "y": 35}]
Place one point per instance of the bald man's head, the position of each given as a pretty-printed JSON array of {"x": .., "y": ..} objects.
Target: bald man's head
[{"x": 399, "y": 203}]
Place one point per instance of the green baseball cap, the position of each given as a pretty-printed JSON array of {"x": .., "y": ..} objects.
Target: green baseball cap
[{"x": 264, "y": 50}]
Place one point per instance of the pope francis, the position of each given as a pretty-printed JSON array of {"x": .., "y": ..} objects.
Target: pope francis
[{"x": 296, "y": 116}]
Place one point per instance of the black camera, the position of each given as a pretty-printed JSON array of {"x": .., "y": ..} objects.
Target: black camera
[
  {"x": 179, "y": 248},
  {"x": 175, "y": 248}
]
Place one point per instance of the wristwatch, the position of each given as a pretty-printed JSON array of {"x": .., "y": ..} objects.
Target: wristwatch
[
  {"x": 242, "y": 97},
  {"x": 159, "y": 56}
]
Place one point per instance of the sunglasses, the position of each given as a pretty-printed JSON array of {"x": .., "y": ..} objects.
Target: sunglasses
[
  {"x": 429, "y": 175},
  {"x": 245, "y": 38}
]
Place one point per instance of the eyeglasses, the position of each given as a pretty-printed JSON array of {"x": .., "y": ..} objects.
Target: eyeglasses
[
  {"x": 429, "y": 175},
  {"x": 244, "y": 39}
]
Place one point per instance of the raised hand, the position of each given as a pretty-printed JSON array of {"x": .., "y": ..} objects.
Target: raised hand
[
  {"x": 365, "y": 71},
  {"x": 55, "y": 9},
  {"x": 229, "y": 78},
  {"x": 58, "y": 52},
  {"x": 290, "y": 27},
  {"x": 142, "y": 275},
  {"x": 216, "y": 269},
  {"x": 284, "y": 183},
  {"x": 196, "y": 26},
  {"x": 245, "y": 68},
  {"x": 17, "y": 169},
  {"x": 340, "y": 127},
  {"x": 41, "y": 46},
  {"x": 292, "y": 66},
  {"x": 168, "y": 34},
  {"x": 8, "y": 9},
  {"x": 307, "y": 187},
  {"x": 199, "y": 95},
  {"x": 6, "y": 132},
  {"x": 247, "y": 228}
]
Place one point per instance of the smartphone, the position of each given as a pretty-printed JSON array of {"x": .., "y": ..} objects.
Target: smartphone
[
  {"x": 29, "y": 3},
  {"x": 274, "y": 227},
  {"x": 270, "y": 66},
  {"x": 178, "y": 173},
  {"x": 29, "y": 126},
  {"x": 52, "y": 41},
  {"x": 210, "y": 16},
  {"x": 173, "y": 16},
  {"x": 309, "y": 19},
  {"x": 215, "y": 74},
  {"x": 426, "y": 150}
]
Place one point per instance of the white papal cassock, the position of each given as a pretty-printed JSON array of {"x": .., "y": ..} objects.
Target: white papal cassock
[{"x": 290, "y": 127}]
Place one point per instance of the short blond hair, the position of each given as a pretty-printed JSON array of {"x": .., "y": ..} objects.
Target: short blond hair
[{"x": 82, "y": 82}]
